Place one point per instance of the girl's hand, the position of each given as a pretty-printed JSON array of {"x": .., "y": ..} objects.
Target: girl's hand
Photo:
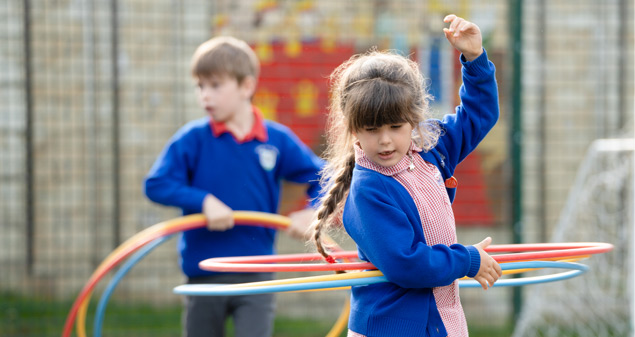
[
  {"x": 465, "y": 36},
  {"x": 219, "y": 216},
  {"x": 489, "y": 271}
]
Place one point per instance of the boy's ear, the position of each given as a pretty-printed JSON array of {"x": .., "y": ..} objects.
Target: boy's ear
[{"x": 248, "y": 85}]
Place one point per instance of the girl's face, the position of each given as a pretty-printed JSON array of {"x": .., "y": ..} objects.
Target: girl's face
[{"x": 387, "y": 144}]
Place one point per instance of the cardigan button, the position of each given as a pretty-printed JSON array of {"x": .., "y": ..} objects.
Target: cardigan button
[{"x": 451, "y": 182}]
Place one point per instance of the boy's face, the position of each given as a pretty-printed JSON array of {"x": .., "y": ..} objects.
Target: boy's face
[{"x": 222, "y": 96}]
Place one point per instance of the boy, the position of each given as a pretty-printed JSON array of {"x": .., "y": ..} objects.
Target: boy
[{"x": 232, "y": 159}]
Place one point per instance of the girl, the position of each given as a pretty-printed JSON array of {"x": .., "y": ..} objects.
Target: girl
[{"x": 389, "y": 181}]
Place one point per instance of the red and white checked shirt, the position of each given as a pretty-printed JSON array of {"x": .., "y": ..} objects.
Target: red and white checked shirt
[{"x": 426, "y": 186}]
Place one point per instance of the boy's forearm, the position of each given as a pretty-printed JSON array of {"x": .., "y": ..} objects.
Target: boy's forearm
[{"x": 190, "y": 200}]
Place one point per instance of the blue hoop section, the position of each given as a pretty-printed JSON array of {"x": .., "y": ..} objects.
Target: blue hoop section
[
  {"x": 236, "y": 289},
  {"x": 576, "y": 269},
  {"x": 105, "y": 297}
]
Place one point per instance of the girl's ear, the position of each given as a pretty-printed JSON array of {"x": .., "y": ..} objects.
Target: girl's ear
[{"x": 355, "y": 139}]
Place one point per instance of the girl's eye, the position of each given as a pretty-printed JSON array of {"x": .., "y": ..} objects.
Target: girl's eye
[
  {"x": 371, "y": 129},
  {"x": 396, "y": 126}
]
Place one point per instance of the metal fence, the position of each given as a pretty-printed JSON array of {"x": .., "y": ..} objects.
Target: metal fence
[{"x": 90, "y": 91}]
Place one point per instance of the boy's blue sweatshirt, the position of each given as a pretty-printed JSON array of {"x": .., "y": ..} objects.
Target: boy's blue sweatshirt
[
  {"x": 383, "y": 220},
  {"x": 245, "y": 176}
]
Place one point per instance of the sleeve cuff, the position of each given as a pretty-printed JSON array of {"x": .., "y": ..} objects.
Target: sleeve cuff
[
  {"x": 194, "y": 203},
  {"x": 475, "y": 261},
  {"x": 479, "y": 66}
]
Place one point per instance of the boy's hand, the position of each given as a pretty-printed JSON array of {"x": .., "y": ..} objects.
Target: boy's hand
[
  {"x": 301, "y": 224},
  {"x": 465, "y": 36},
  {"x": 219, "y": 216},
  {"x": 489, "y": 271}
]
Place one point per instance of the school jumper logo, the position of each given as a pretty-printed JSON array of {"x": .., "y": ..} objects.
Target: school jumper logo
[{"x": 268, "y": 155}]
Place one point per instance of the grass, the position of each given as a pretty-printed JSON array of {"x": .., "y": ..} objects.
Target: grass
[{"x": 25, "y": 317}]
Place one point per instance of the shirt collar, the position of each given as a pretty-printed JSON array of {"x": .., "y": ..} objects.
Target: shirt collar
[
  {"x": 258, "y": 131},
  {"x": 362, "y": 160}
]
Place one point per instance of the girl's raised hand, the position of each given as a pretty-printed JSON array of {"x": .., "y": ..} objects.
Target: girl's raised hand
[
  {"x": 465, "y": 36},
  {"x": 490, "y": 271}
]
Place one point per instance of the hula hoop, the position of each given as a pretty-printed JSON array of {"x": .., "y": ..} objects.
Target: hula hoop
[
  {"x": 80, "y": 306},
  {"x": 123, "y": 271},
  {"x": 543, "y": 251},
  {"x": 577, "y": 269},
  {"x": 337, "y": 281},
  {"x": 77, "y": 314},
  {"x": 273, "y": 263},
  {"x": 265, "y": 263}
]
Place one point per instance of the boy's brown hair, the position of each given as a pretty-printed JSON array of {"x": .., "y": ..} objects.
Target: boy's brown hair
[{"x": 225, "y": 56}]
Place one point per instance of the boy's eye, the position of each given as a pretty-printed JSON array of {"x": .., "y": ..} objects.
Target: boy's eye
[
  {"x": 396, "y": 126},
  {"x": 370, "y": 129}
]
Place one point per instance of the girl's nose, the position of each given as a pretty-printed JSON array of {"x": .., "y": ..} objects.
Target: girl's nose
[{"x": 384, "y": 137}]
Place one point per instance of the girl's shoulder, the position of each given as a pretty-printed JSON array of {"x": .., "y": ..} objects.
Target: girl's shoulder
[
  {"x": 368, "y": 181},
  {"x": 363, "y": 174}
]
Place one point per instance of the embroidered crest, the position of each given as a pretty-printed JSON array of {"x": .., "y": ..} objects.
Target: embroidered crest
[{"x": 268, "y": 155}]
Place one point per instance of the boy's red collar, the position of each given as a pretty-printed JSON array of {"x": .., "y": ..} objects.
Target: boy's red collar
[{"x": 258, "y": 131}]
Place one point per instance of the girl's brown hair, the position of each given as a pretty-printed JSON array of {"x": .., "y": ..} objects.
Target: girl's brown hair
[{"x": 369, "y": 90}]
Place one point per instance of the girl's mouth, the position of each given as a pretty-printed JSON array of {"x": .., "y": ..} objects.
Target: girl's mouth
[{"x": 386, "y": 154}]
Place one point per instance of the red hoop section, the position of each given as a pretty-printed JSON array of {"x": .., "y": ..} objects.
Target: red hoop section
[
  {"x": 279, "y": 263},
  {"x": 275, "y": 263},
  {"x": 543, "y": 251}
]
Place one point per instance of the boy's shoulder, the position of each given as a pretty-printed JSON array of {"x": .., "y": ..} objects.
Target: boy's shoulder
[
  {"x": 193, "y": 127},
  {"x": 276, "y": 126},
  {"x": 196, "y": 124},
  {"x": 276, "y": 130}
]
